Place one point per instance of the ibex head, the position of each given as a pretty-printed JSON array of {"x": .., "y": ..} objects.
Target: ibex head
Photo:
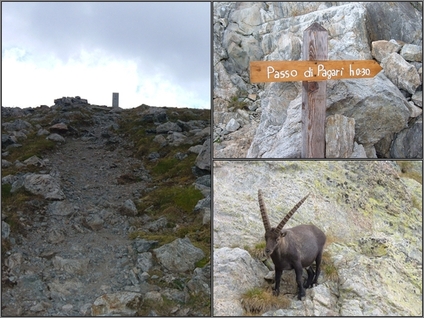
[{"x": 273, "y": 234}]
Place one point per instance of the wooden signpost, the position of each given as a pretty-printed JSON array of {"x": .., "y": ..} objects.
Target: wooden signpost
[{"x": 314, "y": 71}]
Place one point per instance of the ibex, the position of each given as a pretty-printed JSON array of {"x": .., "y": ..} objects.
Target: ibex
[{"x": 294, "y": 248}]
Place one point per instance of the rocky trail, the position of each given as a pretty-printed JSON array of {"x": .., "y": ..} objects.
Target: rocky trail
[{"x": 77, "y": 256}]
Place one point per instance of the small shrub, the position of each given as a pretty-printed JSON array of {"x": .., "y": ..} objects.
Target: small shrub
[
  {"x": 257, "y": 251},
  {"x": 237, "y": 103},
  {"x": 257, "y": 301},
  {"x": 328, "y": 268}
]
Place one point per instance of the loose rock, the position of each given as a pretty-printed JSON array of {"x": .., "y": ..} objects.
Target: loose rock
[{"x": 45, "y": 185}]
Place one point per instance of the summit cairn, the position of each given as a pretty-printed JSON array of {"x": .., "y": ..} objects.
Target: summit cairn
[{"x": 68, "y": 101}]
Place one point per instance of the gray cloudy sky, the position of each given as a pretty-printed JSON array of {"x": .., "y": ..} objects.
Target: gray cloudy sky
[{"x": 156, "y": 53}]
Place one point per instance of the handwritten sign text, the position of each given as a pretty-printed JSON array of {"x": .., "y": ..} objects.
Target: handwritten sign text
[{"x": 290, "y": 71}]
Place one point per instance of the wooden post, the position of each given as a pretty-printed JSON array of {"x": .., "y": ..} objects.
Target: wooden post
[{"x": 315, "y": 47}]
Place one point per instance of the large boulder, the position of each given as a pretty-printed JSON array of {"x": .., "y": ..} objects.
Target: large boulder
[
  {"x": 203, "y": 160},
  {"x": 179, "y": 255},
  {"x": 59, "y": 128},
  {"x": 235, "y": 272},
  {"x": 401, "y": 73},
  {"x": 394, "y": 20},
  {"x": 17, "y": 125},
  {"x": 168, "y": 127},
  {"x": 45, "y": 185},
  {"x": 409, "y": 142}
]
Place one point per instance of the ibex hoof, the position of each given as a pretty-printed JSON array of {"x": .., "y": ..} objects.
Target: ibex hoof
[{"x": 275, "y": 292}]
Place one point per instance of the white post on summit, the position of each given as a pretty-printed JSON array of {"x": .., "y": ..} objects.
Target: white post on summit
[{"x": 115, "y": 100}]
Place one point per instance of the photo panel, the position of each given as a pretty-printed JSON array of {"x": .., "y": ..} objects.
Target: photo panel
[
  {"x": 317, "y": 80},
  {"x": 336, "y": 230}
]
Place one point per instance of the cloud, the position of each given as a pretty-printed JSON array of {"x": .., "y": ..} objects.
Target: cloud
[{"x": 152, "y": 53}]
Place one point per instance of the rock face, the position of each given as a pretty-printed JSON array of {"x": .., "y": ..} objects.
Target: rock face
[
  {"x": 339, "y": 134},
  {"x": 245, "y": 32},
  {"x": 377, "y": 199},
  {"x": 91, "y": 225}
]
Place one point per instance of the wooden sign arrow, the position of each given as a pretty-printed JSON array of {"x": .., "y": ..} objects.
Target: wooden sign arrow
[{"x": 311, "y": 71}]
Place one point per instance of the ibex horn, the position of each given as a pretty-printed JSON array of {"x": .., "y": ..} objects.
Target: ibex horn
[
  {"x": 289, "y": 215},
  {"x": 265, "y": 219}
]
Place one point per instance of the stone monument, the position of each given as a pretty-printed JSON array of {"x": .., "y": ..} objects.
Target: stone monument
[{"x": 115, "y": 100}]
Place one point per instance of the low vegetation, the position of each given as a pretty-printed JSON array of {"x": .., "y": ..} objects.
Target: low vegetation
[
  {"x": 256, "y": 301},
  {"x": 237, "y": 102},
  {"x": 170, "y": 194}
]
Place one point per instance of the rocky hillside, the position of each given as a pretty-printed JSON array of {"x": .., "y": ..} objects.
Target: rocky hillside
[
  {"x": 371, "y": 213},
  {"x": 105, "y": 212},
  {"x": 379, "y": 117}
]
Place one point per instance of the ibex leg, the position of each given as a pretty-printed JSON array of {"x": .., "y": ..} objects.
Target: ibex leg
[
  {"x": 311, "y": 274},
  {"x": 276, "y": 290},
  {"x": 318, "y": 269},
  {"x": 298, "y": 271}
]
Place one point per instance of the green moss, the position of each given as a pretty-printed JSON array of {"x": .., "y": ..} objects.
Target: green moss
[{"x": 203, "y": 262}]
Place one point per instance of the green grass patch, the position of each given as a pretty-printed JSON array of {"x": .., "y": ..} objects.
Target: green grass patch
[
  {"x": 164, "y": 166},
  {"x": 5, "y": 191},
  {"x": 237, "y": 103},
  {"x": 181, "y": 200},
  {"x": 21, "y": 201},
  {"x": 32, "y": 146}
]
